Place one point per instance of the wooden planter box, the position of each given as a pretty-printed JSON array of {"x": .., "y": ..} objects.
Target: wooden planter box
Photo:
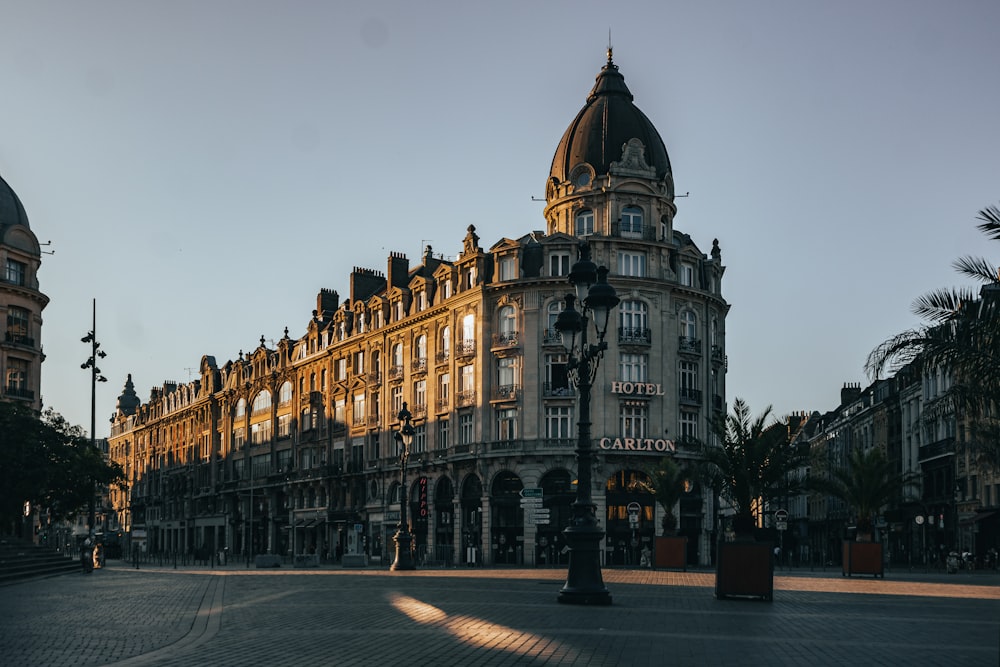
[
  {"x": 862, "y": 558},
  {"x": 670, "y": 552},
  {"x": 745, "y": 569}
]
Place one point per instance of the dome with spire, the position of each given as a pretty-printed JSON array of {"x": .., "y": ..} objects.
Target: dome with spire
[
  {"x": 602, "y": 130},
  {"x": 128, "y": 401},
  {"x": 11, "y": 210}
]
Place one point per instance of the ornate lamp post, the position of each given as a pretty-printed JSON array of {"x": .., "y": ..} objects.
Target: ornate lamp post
[
  {"x": 95, "y": 377},
  {"x": 584, "y": 584},
  {"x": 403, "y": 539}
]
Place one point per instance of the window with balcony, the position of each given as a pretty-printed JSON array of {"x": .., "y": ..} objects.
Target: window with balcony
[
  {"x": 689, "y": 391},
  {"x": 507, "y": 377},
  {"x": 583, "y": 224},
  {"x": 16, "y": 382},
  {"x": 396, "y": 399},
  {"x": 507, "y": 325},
  {"x": 420, "y": 354},
  {"x": 689, "y": 331},
  {"x": 556, "y": 375},
  {"x": 631, "y": 222},
  {"x": 689, "y": 426},
  {"x": 359, "y": 409},
  {"x": 444, "y": 391},
  {"x": 632, "y": 321},
  {"x": 19, "y": 326},
  {"x": 420, "y": 397}
]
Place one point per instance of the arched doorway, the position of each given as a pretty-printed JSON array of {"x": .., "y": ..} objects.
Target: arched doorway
[
  {"x": 630, "y": 516},
  {"x": 472, "y": 520},
  {"x": 558, "y": 495},
  {"x": 444, "y": 521},
  {"x": 506, "y": 519}
]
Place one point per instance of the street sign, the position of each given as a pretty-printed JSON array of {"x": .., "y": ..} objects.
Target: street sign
[
  {"x": 781, "y": 515},
  {"x": 542, "y": 522},
  {"x": 634, "y": 508},
  {"x": 531, "y": 492},
  {"x": 531, "y": 502},
  {"x": 781, "y": 525}
]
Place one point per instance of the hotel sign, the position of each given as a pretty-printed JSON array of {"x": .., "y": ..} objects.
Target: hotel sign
[
  {"x": 636, "y": 388},
  {"x": 637, "y": 445}
]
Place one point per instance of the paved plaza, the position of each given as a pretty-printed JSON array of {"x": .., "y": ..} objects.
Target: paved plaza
[{"x": 237, "y": 616}]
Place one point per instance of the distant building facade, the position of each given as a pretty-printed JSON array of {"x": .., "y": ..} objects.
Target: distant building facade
[
  {"x": 288, "y": 449},
  {"x": 21, "y": 304}
]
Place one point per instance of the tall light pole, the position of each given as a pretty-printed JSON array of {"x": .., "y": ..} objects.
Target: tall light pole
[
  {"x": 403, "y": 539},
  {"x": 95, "y": 377},
  {"x": 584, "y": 584}
]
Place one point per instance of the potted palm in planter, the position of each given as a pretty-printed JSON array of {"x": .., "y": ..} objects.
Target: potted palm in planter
[
  {"x": 667, "y": 483},
  {"x": 748, "y": 466},
  {"x": 866, "y": 485}
]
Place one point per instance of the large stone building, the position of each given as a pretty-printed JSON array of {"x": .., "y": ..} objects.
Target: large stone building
[
  {"x": 289, "y": 449},
  {"x": 21, "y": 302}
]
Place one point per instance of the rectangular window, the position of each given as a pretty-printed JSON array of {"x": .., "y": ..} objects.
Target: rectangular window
[
  {"x": 466, "y": 430},
  {"x": 468, "y": 378},
  {"x": 632, "y": 264},
  {"x": 442, "y": 434},
  {"x": 260, "y": 433},
  {"x": 689, "y": 425},
  {"x": 507, "y": 424},
  {"x": 687, "y": 275},
  {"x": 341, "y": 369},
  {"x": 339, "y": 411},
  {"x": 633, "y": 420},
  {"x": 444, "y": 389},
  {"x": 508, "y": 268},
  {"x": 419, "y": 439},
  {"x": 556, "y": 375},
  {"x": 239, "y": 438},
  {"x": 420, "y": 394},
  {"x": 507, "y": 372},
  {"x": 359, "y": 363},
  {"x": 359, "y": 409},
  {"x": 284, "y": 426},
  {"x": 632, "y": 367},
  {"x": 18, "y": 325},
  {"x": 396, "y": 398},
  {"x": 557, "y": 422},
  {"x": 15, "y": 273},
  {"x": 559, "y": 264}
]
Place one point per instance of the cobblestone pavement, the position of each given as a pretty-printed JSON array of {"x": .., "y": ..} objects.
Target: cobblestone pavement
[{"x": 235, "y": 616}]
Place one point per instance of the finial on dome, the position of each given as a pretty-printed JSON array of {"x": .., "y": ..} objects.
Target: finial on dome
[{"x": 610, "y": 49}]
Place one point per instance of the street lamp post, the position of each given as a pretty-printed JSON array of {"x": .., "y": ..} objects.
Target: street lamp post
[
  {"x": 95, "y": 377},
  {"x": 584, "y": 584},
  {"x": 403, "y": 538}
]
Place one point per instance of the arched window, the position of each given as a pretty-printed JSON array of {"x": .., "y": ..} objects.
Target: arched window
[
  {"x": 262, "y": 402},
  {"x": 420, "y": 353},
  {"x": 285, "y": 393},
  {"x": 689, "y": 324},
  {"x": 241, "y": 408},
  {"x": 632, "y": 221},
  {"x": 584, "y": 223},
  {"x": 445, "y": 350},
  {"x": 507, "y": 320},
  {"x": 397, "y": 354},
  {"x": 632, "y": 314}
]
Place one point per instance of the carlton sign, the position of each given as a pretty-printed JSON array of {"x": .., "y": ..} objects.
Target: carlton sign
[{"x": 637, "y": 445}]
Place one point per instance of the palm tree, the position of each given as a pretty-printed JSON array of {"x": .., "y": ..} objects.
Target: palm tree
[
  {"x": 667, "y": 482},
  {"x": 867, "y": 484},
  {"x": 961, "y": 333},
  {"x": 750, "y": 465}
]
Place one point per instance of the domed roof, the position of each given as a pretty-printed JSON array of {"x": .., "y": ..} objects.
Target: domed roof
[
  {"x": 11, "y": 210},
  {"x": 600, "y": 131}
]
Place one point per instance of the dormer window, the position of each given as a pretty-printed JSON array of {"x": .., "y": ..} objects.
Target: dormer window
[
  {"x": 447, "y": 288},
  {"x": 559, "y": 264},
  {"x": 507, "y": 268},
  {"x": 584, "y": 223},
  {"x": 687, "y": 275}
]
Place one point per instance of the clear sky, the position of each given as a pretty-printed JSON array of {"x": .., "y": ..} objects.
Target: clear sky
[{"x": 202, "y": 169}]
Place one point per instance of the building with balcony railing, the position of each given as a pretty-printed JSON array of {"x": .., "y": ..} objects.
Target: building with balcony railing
[
  {"x": 504, "y": 414},
  {"x": 21, "y": 304}
]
